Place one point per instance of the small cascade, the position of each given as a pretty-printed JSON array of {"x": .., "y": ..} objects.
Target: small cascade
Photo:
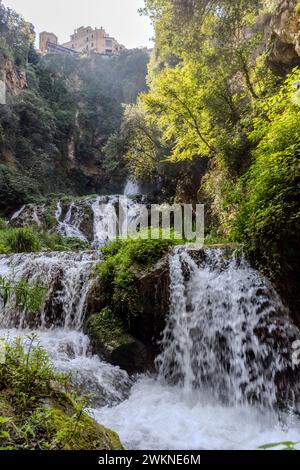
[
  {"x": 104, "y": 220},
  {"x": 30, "y": 212},
  {"x": 91, "y": 219},
  {"x": 70, "y": 225},
  {"x": 131, "y": 188},
  {"x": 69, "y": 279},
  {"x": 58, "y": 327},
  {"x": 228, "y": 333}
]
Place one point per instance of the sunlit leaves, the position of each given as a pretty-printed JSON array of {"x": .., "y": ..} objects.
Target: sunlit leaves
[{"x": 176, "y": 104}]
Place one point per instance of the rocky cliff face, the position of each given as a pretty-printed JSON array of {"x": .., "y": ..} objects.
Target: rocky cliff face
[
  {"x": 15, "y": 77},
  {"x": 285, "y": 37}
]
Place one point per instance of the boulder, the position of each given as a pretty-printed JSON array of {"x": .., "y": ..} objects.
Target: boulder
[{"x": 110, "y": 341}]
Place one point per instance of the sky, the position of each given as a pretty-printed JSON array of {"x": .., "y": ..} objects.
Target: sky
[{"x": 120, "y": 18}]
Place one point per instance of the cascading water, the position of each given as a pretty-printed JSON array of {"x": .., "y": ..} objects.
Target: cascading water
[
  {"x": 69, "y": 280},
  {"x": 228, "y": 333},
  {"x": 226, "y": 351},
  {"x": 69, "y": 226},
  {"x": 91, "y": 219},
  {"x": 131, "y": 188},
  {"x": 226, "y": 348}
]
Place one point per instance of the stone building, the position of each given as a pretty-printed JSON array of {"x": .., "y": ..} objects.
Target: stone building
[
  {"x": 87, "y": 39},
  {"x": 45, "y": 39}
]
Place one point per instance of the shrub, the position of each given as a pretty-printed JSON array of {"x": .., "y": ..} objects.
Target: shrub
[
  {"x": 23, "y": 240},
  {"x": 3, "y": 224},
  {"x": 27, "y": 374},
  {"x": 32, "y": 239},
  {"x": 38, "y": 412}
]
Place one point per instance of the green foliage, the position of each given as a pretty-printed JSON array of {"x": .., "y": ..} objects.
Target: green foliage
[
  {"x": 144, "y": 150},
  {"x": 177, "y": 105},
  {"x": 30, "y": 297},
  {"x": 212, "y": 94},
  {"x": 54, "y": 132},
  {"x": 3, "y": 224},
  {"x": 22, "y": 240},
  {"x": 267, "y": 219},
  {"x": 288, "y": 445},
  {"x": 27, "y": 374},
  {"x": 15, "y": 188},
  {"x": 33, "y": 239},
  {"x": 204, "y": 86},
  {"x": 17, "y": 36},
  {"x": 28, "y": 380},
  {"x": 27, "y": 296},
  {"x": 4, "y": 435},
  {"x": 105, "y": 326}
]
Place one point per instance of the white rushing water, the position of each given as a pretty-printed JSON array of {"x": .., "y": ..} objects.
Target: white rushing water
[
  {"x": 68, "y": 278},
  {"x": 132, "y": 188},
  {"x": 95, "y": 220},
  {"x": 226, "y": 349},
  {"x": 216, "y": 383}
]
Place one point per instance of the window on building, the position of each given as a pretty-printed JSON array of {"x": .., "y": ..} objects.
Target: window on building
[
  {"x": 92, "y": 44},
  {"x": 108, "y": 44}
]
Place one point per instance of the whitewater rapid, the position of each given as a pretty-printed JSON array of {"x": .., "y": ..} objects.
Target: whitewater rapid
[
  {"x": 226, "y": 345},
  {"x": 215, "y": 387}
]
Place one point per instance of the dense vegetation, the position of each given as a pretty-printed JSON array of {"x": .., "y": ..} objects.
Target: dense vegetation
[
  {"x": 217, "y": 125},
  {"x": 37, "y": 411},
  {"x": 214, "y": 98},
  {"x": 57, "y": 131}
]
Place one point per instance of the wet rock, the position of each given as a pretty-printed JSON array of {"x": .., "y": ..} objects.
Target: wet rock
[
  {"x": 152, "y": 305},
  {"x": 110, "y": 341}
]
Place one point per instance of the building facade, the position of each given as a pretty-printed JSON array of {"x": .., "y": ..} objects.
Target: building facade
[
  {"x": 87, "y": 39},
  {"x": 45, "y": 39}
]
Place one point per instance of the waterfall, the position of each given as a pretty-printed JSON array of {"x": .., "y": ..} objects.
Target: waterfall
[
  {"x": 131, "y": 188},
  {"x": 69, "y": 280},
  {"x": 225, "y": 377},
  {"x": 91, "y": 219},
  {"x": 70, "y": 225},
  {"x": 226, "y": 360},
  {"x": 104, "y": 220},
  {"x": 58, "y": 327},
  {"x": 228, "y": 333}
]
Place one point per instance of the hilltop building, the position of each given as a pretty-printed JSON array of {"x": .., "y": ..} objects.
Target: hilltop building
[
  {"x": 84, "y": 39},
  {"x": 47, "y": 38}
]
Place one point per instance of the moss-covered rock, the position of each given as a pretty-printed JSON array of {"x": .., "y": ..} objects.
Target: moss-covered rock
[
  {"x": 54, "y": 426},
  {"x": 37, "y": 410}
]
